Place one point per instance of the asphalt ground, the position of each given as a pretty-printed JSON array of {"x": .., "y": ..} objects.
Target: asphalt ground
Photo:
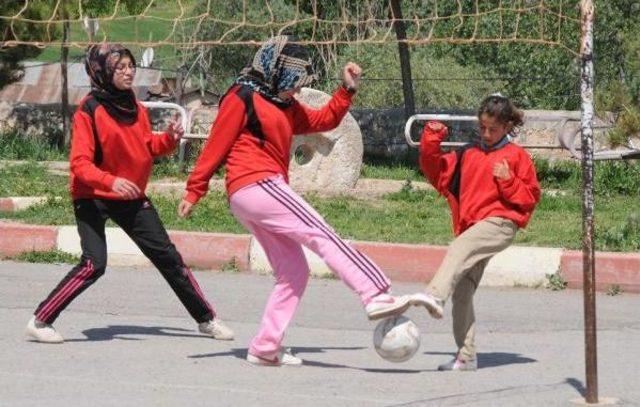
[{"x": 129, "y": 342}]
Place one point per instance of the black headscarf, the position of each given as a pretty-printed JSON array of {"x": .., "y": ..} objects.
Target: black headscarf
[
  {"x": 278, "y": 65},
  {"x": 100, "y": 63}
]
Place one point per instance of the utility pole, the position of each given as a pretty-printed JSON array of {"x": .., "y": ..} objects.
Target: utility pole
[
  {"x": 64, "y": 56},
  {"x": 405, "y": 60},
  {"x": 588, "y": 251},
  {"x": 180, "y": 79}
]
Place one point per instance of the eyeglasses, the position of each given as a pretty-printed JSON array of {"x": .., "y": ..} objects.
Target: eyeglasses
[{"x": 121, "y": 69}]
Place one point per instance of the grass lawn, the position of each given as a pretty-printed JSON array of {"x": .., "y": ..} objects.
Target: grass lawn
[
  {"x": 31, "y": 179},
  {"x": 391, "y": 171},
  {"x": 406, "y": 216}
]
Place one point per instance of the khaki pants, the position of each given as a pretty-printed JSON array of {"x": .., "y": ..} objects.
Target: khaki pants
[{"x": 460, "y": 273}]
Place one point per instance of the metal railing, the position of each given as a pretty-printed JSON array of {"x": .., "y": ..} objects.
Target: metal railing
[
  {"x": 568, "y": 130},
  {"x": 186, "y": 125}
]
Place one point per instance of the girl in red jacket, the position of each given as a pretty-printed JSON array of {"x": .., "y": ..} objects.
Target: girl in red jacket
[
  {"x": 492, "y": 190},
  {"x": 111, "y": 157},
  {"x": 253, "y": 132}
]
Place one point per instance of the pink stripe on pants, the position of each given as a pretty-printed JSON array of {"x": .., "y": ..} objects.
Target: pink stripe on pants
[{"x": 283, "y": 222}]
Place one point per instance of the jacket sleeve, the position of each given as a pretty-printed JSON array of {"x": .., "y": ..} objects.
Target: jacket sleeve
[
  {"x": 158, "y": 144},
  {"x": 522, "y": 189},
  {"x": 82, "y": 154},
  {"x": 430, "y": 152},
  {"x": 229, "y": 123},
  {"x": 308, "y": 120}
]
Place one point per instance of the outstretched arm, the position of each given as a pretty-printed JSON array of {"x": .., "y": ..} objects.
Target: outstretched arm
[
  {"x": 165, "y": 143},
  {"x": 308, "y": 120}
]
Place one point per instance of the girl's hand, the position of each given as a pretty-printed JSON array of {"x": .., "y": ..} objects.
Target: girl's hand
[
  {"x": 501, "y": 170},
  {"x": 175, "y": 129},
  {"x": 125, "y": 188},
  {"x": 351, "y": 75},
  {"x": 184, "y": 208}
]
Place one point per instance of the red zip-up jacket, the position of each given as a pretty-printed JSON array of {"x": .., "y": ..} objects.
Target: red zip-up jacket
[
  {"x": 127, "y": 151},
  {"x": 481, "y": 194},
  {"x": 247, "y": 161}
]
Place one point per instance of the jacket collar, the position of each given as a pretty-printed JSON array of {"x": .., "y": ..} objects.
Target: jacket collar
[{"x": 503, "y": 142}]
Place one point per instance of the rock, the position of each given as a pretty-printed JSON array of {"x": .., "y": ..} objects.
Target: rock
[{"x": 328, "y": 160}]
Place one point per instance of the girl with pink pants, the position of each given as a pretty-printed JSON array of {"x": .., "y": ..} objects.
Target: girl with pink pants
[
  {"x": 252, "y": 134},
  {"x": 283, "y": 222}
]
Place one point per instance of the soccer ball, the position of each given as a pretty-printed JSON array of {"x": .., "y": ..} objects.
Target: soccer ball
[{"x": 396, "y": 339}]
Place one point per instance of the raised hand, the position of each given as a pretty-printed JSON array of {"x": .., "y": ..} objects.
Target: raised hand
[
  {"x": 351, "y": 75},
  {"x": 175, "y": 129}
]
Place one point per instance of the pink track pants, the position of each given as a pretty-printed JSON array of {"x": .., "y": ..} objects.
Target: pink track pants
[{"x": 282, "y": 222}]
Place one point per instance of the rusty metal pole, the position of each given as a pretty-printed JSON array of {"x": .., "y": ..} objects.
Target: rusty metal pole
[{"x": 588, "y": 252}]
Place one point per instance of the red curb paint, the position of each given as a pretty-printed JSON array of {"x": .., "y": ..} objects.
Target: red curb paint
[
  {"x": 400, "y": 262},
  {"x": 16, "y": 238},
  {"x": 404, "y": 262},
  {"x": 212, "y": 250},
  {"x": 622, "y": 269},
  {"x": 6, "y": 205}
]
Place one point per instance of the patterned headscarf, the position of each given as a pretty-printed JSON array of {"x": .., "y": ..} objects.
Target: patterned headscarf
[
  {"x": 100, "y": 63},
  {"x": 277, "y": 66}
]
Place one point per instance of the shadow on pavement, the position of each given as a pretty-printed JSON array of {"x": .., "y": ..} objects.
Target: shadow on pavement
[
  {"x": 241, "y": 353},
  {"x": 122, "y": 332},
  {"x": 576, "y": 384},
  {"x": 493, "y": 359}
]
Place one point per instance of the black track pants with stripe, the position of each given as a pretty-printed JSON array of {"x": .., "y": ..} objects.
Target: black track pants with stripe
[{"x": 139, "y": 219}]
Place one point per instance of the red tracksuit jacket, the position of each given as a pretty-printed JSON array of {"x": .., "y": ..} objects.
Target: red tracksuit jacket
[
  {"x": 127, "y": 150},
  {"x": 481, "y": 194},
  {"x": 247, "y": 161}
]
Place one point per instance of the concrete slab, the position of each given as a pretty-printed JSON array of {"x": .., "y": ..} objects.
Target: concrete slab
[{"x": 522, "y": 266}]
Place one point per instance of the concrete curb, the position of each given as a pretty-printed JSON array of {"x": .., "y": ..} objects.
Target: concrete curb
[
  {"x": 516, "y": 266},
  {"x": 419, "y": 263},
  {"x": 613, "y": 269},
  {"x": 16, "y": 238},
  {"x": 201, "y": 250}
]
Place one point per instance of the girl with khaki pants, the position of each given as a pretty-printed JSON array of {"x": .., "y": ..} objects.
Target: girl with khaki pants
[{"x": 492, "y": 190}]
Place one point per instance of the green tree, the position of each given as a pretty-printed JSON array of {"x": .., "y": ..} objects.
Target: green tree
[
  {"x": 220, "y": 64},
  {"x": 10, "y": 56},
  {"x": 41, "y": 10}
]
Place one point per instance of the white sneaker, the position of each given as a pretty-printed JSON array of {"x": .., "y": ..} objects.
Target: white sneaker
[
  {"x": 434, "y": 305},
  {"x": 284, "y": 358},
  {"x": 460, "y": 365},
  {"x": 216, "y": 329},
  {"x": 385, "y": 305},
  {"x": 42, "y": 332}
]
